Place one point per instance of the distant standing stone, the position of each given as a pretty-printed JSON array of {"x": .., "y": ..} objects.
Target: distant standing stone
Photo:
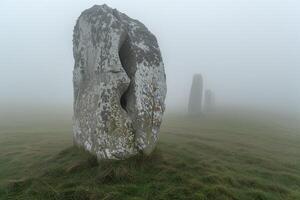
[
  {"x": 195, "y": 101},
  {"x": 209, "y": 101},
  {"x": 119, "y": 84}
]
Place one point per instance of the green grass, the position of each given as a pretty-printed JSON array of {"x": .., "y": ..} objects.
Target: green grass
[{"x": 213, "y": 157}]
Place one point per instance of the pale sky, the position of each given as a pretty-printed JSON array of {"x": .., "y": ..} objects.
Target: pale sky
[{"x": 247, "y": 50}]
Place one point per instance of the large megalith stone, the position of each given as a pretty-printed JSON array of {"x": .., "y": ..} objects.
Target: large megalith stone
[
  {"x": 195, "y": 101},
  {"x": 119, "y": 84}
]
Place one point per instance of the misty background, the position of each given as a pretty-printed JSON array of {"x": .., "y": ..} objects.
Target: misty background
[{"x": 246, "y": 50}]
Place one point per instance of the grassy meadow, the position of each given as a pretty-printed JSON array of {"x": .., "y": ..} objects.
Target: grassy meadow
[{"x": 222, "y": 156}]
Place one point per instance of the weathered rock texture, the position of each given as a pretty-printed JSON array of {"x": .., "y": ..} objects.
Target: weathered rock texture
[
  {"x": 209, "y": 101},
  {"x": 119, "y": 84},
  {"x": 195, "y": 100}
]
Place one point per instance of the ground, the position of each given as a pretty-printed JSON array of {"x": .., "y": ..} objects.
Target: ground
[{"x": 211, "y": 157}]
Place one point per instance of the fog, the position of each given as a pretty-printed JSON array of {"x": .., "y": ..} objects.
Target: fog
[{"x": 246, "y": 50}]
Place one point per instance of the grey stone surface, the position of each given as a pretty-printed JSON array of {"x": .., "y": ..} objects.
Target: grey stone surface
[
  {"x": 195, "y": 101},
  {"x": 119, "y": 84}
]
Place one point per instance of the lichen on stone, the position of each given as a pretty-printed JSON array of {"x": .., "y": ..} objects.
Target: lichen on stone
[{"x": 119, "y": 85}]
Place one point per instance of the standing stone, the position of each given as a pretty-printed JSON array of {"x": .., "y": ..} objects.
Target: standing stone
[
  {"x": 209, "y": 101},
  {"x": 119, "y": 85},
  {"x": 195, "y": 101}
]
